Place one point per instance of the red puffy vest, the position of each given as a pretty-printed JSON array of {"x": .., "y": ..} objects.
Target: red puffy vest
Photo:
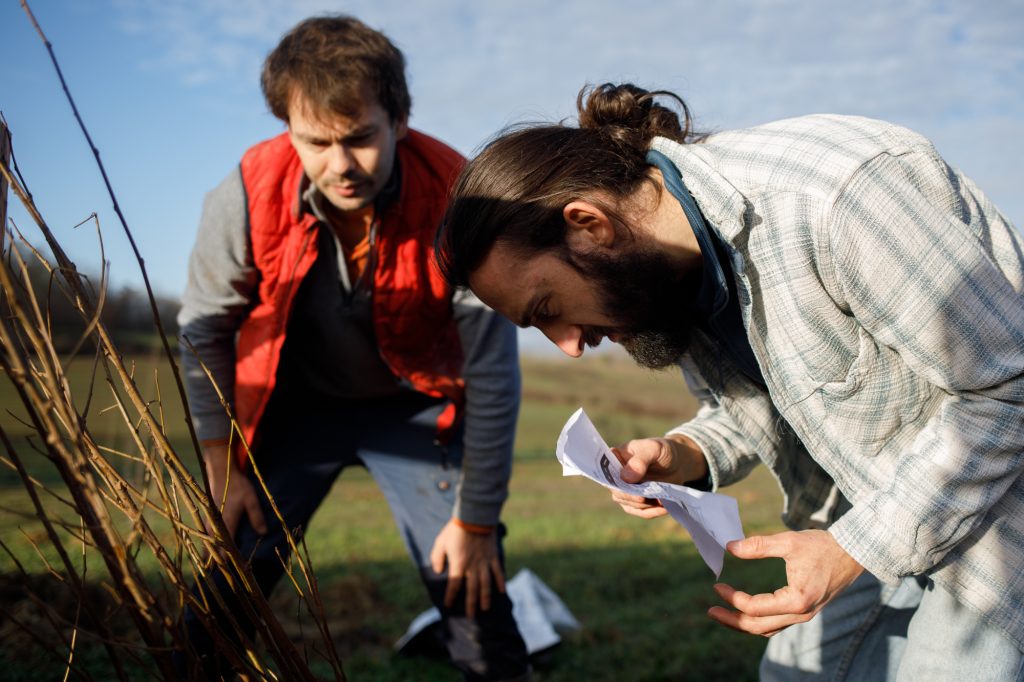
[{"x": 412, "y": 311}]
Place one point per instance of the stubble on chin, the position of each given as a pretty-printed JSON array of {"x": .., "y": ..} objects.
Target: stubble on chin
[
  {"x": 651, "y": 300},
  {"x": 655, "y": 350}
]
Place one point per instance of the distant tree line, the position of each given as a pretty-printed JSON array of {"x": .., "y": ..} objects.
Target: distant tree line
[{"x": 126, "y": 312}]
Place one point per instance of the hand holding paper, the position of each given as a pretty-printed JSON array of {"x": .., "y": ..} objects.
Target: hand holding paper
[
  {"x": 658, "y": 459},
  {"x": 673, "y": 459},
  {"x": 712, "y": 520}
]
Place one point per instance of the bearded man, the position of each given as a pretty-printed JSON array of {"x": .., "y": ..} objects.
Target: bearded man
[{"x": 849, "y": 310}]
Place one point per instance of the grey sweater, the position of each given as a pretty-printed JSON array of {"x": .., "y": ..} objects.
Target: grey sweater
[{"x": 222, "y": 284}]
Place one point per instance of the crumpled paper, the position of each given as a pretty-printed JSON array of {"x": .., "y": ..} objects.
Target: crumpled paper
[{"x": 541, "y": 616}]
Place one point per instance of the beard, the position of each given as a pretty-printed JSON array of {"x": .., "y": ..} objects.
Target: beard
[{"x": 650, "y": 297}]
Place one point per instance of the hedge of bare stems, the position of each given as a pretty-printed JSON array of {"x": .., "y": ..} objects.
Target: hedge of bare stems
[{"x": 101, "y": 513}]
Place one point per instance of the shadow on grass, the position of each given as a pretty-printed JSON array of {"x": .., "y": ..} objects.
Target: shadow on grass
[{"x": 642, "y": 608}]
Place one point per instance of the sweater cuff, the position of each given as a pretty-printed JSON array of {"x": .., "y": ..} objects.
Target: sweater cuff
[{"x": 477, "y": 513}]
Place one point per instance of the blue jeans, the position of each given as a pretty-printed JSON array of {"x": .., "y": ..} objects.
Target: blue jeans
[
  {"x": 302, "y": 450},
  {"x": 908, "y": 632}
]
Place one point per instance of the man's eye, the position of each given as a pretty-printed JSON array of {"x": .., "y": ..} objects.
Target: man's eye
[{"x": 543, "y": 316}]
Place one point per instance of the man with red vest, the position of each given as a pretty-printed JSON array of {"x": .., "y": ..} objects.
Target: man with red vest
[{"x": 314, "y": 302}]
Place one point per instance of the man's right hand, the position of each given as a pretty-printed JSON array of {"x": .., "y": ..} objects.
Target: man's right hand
[
  {"x": 239, "y": 497},
  {"x": 673, "y": 459}
]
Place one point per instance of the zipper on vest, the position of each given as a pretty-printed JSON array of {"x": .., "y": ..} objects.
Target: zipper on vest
[
  {"x": 371, "y": 268},
  {"x": 270, "y": 380},
  {"x": 291, "y": 277},
  {"x": 369, "y": 272}
]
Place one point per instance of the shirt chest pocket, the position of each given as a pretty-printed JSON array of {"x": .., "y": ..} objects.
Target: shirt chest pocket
[{"x": 875, "y": 402}]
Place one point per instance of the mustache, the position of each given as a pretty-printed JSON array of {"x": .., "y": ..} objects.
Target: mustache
[
  {"x": 350, "y": 176},
  {"x": 592, "y": 335}
]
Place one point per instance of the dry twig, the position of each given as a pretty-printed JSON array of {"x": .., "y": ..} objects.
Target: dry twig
[{"x": 160, "y": 521}]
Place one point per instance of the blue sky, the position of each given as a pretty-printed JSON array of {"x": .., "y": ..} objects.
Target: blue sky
[{"x": 170, "y": 89}]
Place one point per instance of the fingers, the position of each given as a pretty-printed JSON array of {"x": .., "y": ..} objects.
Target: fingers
[
  {"x": 761, "y": 614},
  {"x": 783, "y": 600},
  {"x": 816, "y": 569},
  {"x": 766, "y": 626},
  {"x": 634, "y": 465},
  {"x": 455, "y": 580},
  {"x": 254, "y": 512},
  {"x": 231, "y": 514},
  {"x": 498, "y": 573},
  {"x": 648, "y": 513},
  {"x": 762, "y": 546},
  {"x": 234, "y": 499},
  {"x": 472, "y": 560},
  {"x": 626, "y": 500},
  {"x": 479, "y": 590},
  {"x": 786, "y": 599},
  {"x": 437, "y": 555},
  {"x": 643, "y": 507},
  {"x": 485, "y": 588},
  {"x": 473, "y": 586},
  {"x": 438, "y": 559}
]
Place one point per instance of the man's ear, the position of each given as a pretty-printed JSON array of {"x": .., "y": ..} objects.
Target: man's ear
[
  {"x": 587, "y": 226},
  {"x": 401, "y": 128}
]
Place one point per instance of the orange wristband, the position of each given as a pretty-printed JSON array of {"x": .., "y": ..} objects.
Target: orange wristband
[{"x": 473, "y": 528}]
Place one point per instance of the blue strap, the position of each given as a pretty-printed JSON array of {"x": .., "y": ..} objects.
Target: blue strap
[
  {"x": 720, "y": 310},
  {"x": 714, "y": 288}
]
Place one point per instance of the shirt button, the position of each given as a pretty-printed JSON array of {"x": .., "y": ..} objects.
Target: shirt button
[{"x": 443, "y": 485}]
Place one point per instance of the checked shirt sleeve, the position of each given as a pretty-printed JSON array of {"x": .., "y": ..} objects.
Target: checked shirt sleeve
[
  {"x": 729, "y": 452},
  {"x": 931, "y": 271}
]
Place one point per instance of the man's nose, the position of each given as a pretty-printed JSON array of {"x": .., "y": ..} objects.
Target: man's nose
[
  {"x": 339, "y": 160},
  {"x": 568, "y": 337}
]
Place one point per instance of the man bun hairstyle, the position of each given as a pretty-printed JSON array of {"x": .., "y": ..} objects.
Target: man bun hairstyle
[
  {"x": 631, "y": 115},
  {"x": 514, "y": 191},
  {"x": 334, "y": 62}
]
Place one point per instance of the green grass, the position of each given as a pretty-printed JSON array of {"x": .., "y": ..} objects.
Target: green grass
[{"x": 638, "y": 587}]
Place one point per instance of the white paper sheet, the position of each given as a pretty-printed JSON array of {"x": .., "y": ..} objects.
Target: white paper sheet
[
  {"x": 541, "y": 616},
  {"x": 711, "y": 519}
]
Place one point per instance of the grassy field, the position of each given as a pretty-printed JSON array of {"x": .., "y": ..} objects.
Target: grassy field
[{"x": 638, "y": 587}]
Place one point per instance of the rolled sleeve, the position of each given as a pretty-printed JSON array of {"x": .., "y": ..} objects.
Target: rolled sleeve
[{"x": 729, "y": 451}]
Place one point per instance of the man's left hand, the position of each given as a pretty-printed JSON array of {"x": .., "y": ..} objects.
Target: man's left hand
[
  {"x": 472, "y": 559},
  {"x": 817, "y": 569}
]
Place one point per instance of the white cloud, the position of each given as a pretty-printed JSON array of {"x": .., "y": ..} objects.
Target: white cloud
[{"x": 942, "y": 67}]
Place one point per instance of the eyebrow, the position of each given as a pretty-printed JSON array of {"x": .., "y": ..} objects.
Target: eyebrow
[
  {"x": 527, "y": 317},
  {"x": 356, "y": 133}
]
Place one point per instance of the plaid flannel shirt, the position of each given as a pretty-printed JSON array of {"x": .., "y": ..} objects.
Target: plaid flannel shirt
[{"x": 882, "y": 296}]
